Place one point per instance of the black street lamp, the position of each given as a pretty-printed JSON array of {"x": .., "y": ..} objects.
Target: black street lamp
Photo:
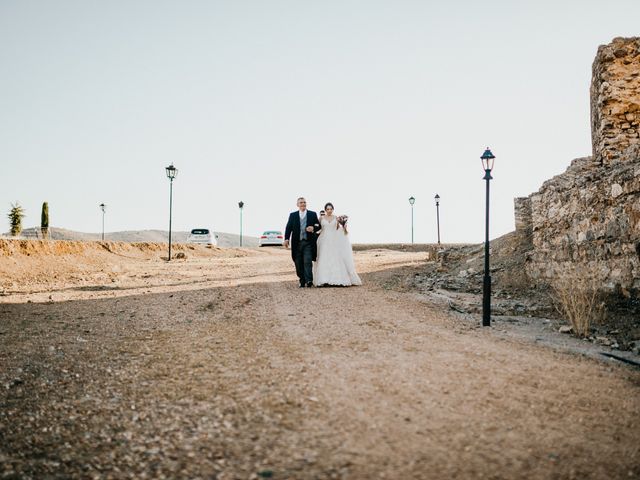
[
  {"x": 437, "y": 198},
  {"x": 171, "y": 174},
  {"x": 241, "y": 206},
  {"x": 411, "y": 202},
  {"x": 487, "y": 164},
  {"x": 103, "y": 207}
]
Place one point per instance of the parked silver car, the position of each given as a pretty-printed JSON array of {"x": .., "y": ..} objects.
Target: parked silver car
[
  {"x": 271, "y": 237},
  {"x": 202, "y": 236}
]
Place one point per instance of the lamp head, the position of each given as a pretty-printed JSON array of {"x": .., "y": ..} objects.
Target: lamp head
[
  {"x": 103, "y": 207},
  {"x": 171, "y": 172},
  {"x": 412, "y": 201},
  {"x": 487, "y": 160},
  {"x": 241, "y": 204},
  {"x": 437, "y": 198}
]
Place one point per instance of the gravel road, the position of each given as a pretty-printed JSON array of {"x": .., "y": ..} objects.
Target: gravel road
[{"x": 222, "y": 368}]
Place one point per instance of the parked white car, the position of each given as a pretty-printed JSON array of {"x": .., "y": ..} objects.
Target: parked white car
[
  {"x": 271, "y": 237},
  {"x": 202, "y": 236}
]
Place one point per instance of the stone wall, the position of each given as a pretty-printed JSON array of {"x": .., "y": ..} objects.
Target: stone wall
[
  {"x": 590, "y": 215},
  {"x": 615, "y": 99},
  {"x": 524, "y": 225}
]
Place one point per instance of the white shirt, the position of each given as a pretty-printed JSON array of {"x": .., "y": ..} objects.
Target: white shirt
[{"x": 302, "y": 214}]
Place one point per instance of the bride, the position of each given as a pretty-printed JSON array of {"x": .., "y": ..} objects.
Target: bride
[{"x": 334, "y": 265}]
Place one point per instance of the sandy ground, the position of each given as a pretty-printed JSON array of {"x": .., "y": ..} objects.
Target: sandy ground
[{"x": 217, "y": 366}]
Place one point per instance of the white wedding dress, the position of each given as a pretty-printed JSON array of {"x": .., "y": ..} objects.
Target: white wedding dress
[{"x": 334, "y": 265}]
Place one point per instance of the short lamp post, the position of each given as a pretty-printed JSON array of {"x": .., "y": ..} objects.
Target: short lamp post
[
  {"x": 437, "y": 199},
  {"x": 171, "y": 174},
  {"x": 241, "y": 207},
  {"x": 103, "y": 207},
  {"x": 412, "y": 201},
  {"x": 487, "y": 164}
]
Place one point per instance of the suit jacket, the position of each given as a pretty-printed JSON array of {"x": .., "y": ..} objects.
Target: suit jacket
[{"x": 292, "y": 231}]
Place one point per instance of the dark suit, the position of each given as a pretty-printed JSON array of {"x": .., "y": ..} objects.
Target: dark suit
[{"x": 303, "y": 251}]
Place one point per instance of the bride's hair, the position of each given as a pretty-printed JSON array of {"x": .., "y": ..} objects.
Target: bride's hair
[{"x": 329, "y": 204}]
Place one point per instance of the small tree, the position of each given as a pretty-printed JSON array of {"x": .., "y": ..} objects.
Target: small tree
[
  {"x": 15, "y": 219},
  {"x": 44, "y": 220}
]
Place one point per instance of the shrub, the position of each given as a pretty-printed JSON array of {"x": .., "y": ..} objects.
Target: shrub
[
  {"x": 16, "y": 214},
  {"x": 44, "y": 220},
  {"x": 577, "y": 297}
]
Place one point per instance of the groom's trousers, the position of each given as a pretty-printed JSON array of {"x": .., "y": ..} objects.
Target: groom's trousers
[{"x": 304, "y": 262}]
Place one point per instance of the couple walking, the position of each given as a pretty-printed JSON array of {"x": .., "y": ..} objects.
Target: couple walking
[{"x": 324, "y": 241}]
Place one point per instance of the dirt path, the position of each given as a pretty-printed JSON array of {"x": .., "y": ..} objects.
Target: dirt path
[{"x": 223, "y": 369}]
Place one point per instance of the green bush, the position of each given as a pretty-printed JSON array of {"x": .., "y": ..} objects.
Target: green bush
[
  {"x": 15, "y": 219},
  {"x": 44, "y": 220}
]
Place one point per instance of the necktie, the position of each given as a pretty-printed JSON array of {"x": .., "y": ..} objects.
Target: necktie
[{"x": 303, "y": 226}]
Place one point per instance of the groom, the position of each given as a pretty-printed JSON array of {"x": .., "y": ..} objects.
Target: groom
[{"x": 302, "y": 227}]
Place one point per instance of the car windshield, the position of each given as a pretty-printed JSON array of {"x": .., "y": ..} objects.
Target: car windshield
[
  {"x": 272, "y": 233},
  {"x": 199, "y": 231}
]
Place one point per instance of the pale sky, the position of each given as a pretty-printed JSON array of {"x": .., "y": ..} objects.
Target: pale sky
[{"x": 361, "y": 103}]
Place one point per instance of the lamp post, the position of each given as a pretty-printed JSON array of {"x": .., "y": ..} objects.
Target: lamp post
[
  {"x": 241, "y": 206},
  {"x": 171, "y": 174},
  {"x": 487, "y": 164},
  {"x": 437, "y": 198},
  {"x": 411, "y": 202},
  {"x": 103, "y": 207}
]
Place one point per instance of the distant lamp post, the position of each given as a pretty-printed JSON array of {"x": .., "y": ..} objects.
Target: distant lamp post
[
  {"x": 103, "y": 207},
  {"x": 241, "y": 206},
  {"x": 437, "y": 199},
  {"x": 412, "y": 201},
  {"x": 487, "y": 164},
  {"x": 171, "y": 174}
]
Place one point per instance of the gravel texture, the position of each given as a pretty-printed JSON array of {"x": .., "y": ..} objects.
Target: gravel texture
[{"x": 219, "y": 367}]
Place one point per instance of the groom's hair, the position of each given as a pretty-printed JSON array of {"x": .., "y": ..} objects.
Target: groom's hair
[{"x": 301, "y": 198}]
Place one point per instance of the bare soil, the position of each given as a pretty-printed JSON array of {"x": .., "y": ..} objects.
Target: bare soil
[{"x": 217, "y": 366}]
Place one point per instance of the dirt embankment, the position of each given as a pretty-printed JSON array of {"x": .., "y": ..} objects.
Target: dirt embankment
[
  {"x": 29, "y": 265},
  {"x": 11, "y": 248},
  {"x": 37, "y": 271}
]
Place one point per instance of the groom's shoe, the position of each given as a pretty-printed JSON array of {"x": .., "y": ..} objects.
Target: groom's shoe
[
  {"x": 309, "y": 284},
  {"x": 301, "y": 285}
]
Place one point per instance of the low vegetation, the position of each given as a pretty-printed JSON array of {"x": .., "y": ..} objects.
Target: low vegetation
[
  {"x": 577, "y": 298},
  {"x": 16, "y": 214},
  {"x": 44, "y": 220}
]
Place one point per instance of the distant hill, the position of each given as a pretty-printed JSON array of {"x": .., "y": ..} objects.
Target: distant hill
[{"x": 151, "y": 236}]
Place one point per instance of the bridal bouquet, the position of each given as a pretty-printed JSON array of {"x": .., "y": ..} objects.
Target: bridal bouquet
[{"x": 342, "y": 220}]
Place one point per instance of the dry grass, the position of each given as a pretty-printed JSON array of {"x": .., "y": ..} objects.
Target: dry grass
[{"x": 577, "y": 297}]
